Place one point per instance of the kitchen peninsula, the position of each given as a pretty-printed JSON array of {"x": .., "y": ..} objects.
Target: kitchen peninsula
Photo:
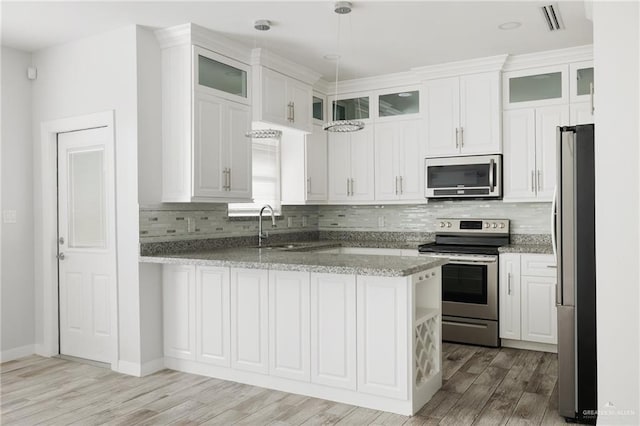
[{"x": 363, "y": 329}]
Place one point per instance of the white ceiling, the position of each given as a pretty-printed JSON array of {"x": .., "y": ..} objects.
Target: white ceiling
[{"x": 378, "y": 37}]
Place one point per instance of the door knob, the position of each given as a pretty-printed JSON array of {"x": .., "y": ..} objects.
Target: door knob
[{"x": 60, "y": 256}]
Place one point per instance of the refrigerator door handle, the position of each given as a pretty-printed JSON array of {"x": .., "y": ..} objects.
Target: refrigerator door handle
[{"x": 554, "y": 202}]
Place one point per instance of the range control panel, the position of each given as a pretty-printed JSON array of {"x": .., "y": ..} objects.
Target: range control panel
[{"x": 472, "y": 226}]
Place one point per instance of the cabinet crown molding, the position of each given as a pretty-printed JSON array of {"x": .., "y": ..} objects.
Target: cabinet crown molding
[
  {"x": 378, "y": 82},
  {"x": 549, "y": 57},
  {"x": 191, "y": 33},
  {"x": 452, "y": 69},
  {"x": 283, "y": 65}
]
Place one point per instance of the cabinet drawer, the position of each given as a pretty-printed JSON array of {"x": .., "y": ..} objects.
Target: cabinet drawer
[{"x": 538, "y": 265}]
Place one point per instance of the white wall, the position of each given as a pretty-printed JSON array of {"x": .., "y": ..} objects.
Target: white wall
[
  {"x": 617, "y": 72},
  {"x": 92, "y": 75},
  {"x": 17, "y": 285}
]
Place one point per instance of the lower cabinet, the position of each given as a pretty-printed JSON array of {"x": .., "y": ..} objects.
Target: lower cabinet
[
  {"x": 212, "y": 302},
  {"x": 333, "y": 330},
  {"x": 179, "y": 313},
  {"x": 527, "y": 298}
]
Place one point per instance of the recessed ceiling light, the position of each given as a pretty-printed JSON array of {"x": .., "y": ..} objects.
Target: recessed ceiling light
[
  {"x": 510, "y": 25},
  {"x": 331, "y": 57},
  {"x": 405, "y": 94}
]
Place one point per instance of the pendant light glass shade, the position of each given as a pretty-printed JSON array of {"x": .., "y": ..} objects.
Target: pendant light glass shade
[{"x": 263, "y": 134}]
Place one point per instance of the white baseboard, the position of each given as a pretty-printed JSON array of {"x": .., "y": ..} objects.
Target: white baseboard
[
  {"x": 15, "y": 353},
  {"x": 42, "y": 351},
  {"x": 530, "y": 346},
  {"x": 139, "y": 370}
]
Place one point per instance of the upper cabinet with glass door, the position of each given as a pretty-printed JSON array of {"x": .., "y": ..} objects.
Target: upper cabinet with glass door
[
  {"x": 398, "y": 103},
  {"x": 350, "y": 108},
  {"x": 536, "y": 87},
  {"x": 582, "y": 92},
  {"x": 221, "y": 76}
]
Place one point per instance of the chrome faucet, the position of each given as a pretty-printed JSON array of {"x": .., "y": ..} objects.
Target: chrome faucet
[{"x": 263, "y": 235}]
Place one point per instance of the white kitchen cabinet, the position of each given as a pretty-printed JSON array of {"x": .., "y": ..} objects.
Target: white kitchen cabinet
[
  {"x": 179, "y": 313},
  {"x": 303, "y": 161},
  {"x": 399, "y": 170},
  {"x": 580, "y": 113},
  {"x": 581, "y": 78},
  {"x": 536, "y": 87},
  {"x": 205, "y": 115},
  {"x": 289, "y": 325},
  {"x": 249, "y": 320},
  {"x": 282, "y": 100},
  {"x": 213, "y": 319},
  {"x": 351, "y": 166},
  {"x": 527, "y": 300},
  {"x": 333, "y": 330},
  {"x": 530, "y": 152},
  {"x": 463, "y": 115},
  {"x": 382, "y": 304}
]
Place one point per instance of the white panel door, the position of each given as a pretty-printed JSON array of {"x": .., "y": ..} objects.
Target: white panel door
[
  {"x": 289, "y": 341},
  {"x": 519, "y": 155},
  {"x": 580, "y": 113},
  {"x": 238, "y": 147},
  {"x": 539, "y": 315},
  {"x": 547, "y": 120},
  {"x": 383, "y": 328},
  {"x": 411, "y": 158},
  {"x": 509, "y": 296},
  {"x": 179, "y": 311},
  {"x": 274, "y": 97},
  {"x": 300, "y": 94},
  {"x": 333, "y": 330},
  {"x": 249, "y": 320},
  {"x": 210, "y": 114},
  {"x": 442, "y": 113},
  {"x": 213, "y": 320},
  {"x": 387, "y": 173},
  {"x": 87, "y": 244},
  {"x": 480, "y": 113},
  {"x": 316, "y": 157},
  {"x": 362, "y": 165},
  {"x": 339, "y": 166}
]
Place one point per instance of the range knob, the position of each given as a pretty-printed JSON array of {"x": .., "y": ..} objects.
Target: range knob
[
  {"x": 487, "y": 225},
  {"x": 494, "y": 225},
  {"x": 448, "y": 224},
  {"x": 502, "y": 226},
  {"x": 441, "y": 224}
]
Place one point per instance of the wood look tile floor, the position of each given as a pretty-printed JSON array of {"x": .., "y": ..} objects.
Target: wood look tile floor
[{"x": 482, "y": 386}]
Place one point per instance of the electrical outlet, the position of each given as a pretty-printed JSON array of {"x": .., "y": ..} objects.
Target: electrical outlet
[
  {"x": 191, "y": 224},
  {"x": 380, "y": 221},
  {"x": 289, "y": 222}
]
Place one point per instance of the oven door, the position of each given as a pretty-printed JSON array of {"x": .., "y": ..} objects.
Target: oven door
[{"x": 470, "y": 286}]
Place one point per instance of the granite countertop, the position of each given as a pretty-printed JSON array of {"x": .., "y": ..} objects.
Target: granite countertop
[
  {"x": 303, "y": 257},
  {"x": 527, "y": 248}
]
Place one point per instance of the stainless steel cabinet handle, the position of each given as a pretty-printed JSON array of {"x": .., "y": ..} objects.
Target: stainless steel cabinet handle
[
  {"x": 396, "y": 185},
  {"x": 308, "y": 185},
  {"x": 457, "y": 138},
  {"x": 401, "y": 189},
  {"x": 293, "y": 112},
  {"x": 224, "y": 178},
  {"x": 509, "y": 283},
  {"x": 60, "y": 256},
  {"x": 352, "y": 185},
  {"x": 591, "y": 95},
  {"x": 533, "y": 181},
  {"x": 539, "y": 180},
  {"x": 229, "y": 174},
  {"x": 348, "y": 191},
  {"x": 461, "y": 137}
]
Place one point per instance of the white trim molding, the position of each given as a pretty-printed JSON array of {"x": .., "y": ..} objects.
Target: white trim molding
[
  {"x": 452, "y": 69},
  {"x": 15, "y": 353},
  {"x": 48, "y": 264},
  {"x": 285, "y": 66},
  {"x": 549, "y": 57},
  {"x": 138, "y": 370}
]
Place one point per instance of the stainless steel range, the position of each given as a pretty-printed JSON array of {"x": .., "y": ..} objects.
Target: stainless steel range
[{"x": 470, "y": 279}]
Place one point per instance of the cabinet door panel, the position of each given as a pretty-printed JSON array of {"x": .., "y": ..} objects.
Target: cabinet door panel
[
  {"x": 316, "y": 152},
  {"x": 386, "y": 159},
  {"x": 339, "y": 165},
  {"x": 547, "y": 120},
  {"x": 209, "y": 139},
  {"x": 249, "y": 320},
  {"x": 213, "y": 325},
  {"x": 580, "y": 113},
  {"x": 179, "y": 313},
  {"x": 382, "y": 310},
  {"x": 442, "y": 113},
  {"x": 539, "y": 316},
  {"x": 333, "y": 330},
  {"x": 289, "y": 341},
  {"x": 362, "y": 164},
  {"x": 509, "y": 299},
  {"x": 480, "y": 113},
  {"x": 519, "y": 154},
  {"x": 301, "y": 95},
  {"x": 274, "y": 97},
  {"x": 239, "y": 151},
  {"x": 411, "y": 153}
]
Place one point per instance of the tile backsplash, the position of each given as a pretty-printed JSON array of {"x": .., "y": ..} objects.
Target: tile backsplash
[{"x": 169, "y": 222}]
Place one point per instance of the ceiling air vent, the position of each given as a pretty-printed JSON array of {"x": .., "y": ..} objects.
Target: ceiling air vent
[{"x": 552, "y": 18}]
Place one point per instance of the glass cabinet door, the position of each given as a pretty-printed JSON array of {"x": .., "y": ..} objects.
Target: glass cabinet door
[
  {"x": 318, "y": 108},
  {"x": 400, "y": 103},
  {"x": 228, "y": 78},
  {"x": 535, "y": 87},
  {"x": 350, "y": 109},
  {"x": 581, "y": 81}
]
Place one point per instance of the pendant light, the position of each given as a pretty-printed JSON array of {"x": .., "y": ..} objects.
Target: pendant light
[
  {"x": 341, "y": 126},
  {"x": 263, "y": 25}
]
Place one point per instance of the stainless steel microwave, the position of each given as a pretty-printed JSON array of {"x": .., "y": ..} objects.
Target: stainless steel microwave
[{"x": 476, "y": 176}]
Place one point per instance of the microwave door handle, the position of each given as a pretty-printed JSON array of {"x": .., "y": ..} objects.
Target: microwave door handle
[{"x": 492, "y": 166}]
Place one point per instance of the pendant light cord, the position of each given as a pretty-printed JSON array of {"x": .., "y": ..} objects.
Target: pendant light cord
[{"x": 335, "y": 102}]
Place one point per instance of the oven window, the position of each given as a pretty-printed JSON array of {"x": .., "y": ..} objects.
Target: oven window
[
  {"x": 467, "y": 175},
  {"x": 464, "y": 283}
]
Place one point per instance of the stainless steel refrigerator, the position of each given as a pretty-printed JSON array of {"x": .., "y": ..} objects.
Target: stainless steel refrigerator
[{"x": 573, "y": 232}]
